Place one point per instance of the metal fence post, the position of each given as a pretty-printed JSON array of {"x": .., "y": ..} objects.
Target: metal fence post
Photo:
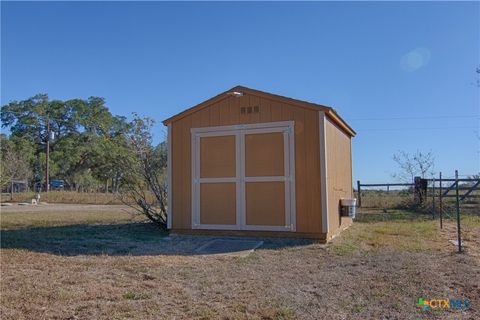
[
  {"x": 433, "y": 198},
  {"x": 359, "y": 191},
  {"x": 458, "y": 213},
  {"x": 441, "y": 203}
]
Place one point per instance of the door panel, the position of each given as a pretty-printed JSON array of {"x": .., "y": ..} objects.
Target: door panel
[
  {"x": 217, "y": 157},
  {"x": 265, "y": 203},
  {"x": 217, "y": 180},
  {"x": 218, "y": 203},
  {"x": 265, "y": 179},
  {"x": 264, "y": 154}
]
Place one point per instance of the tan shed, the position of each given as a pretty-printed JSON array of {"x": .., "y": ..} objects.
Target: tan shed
[{"x": 247, "y": 162}]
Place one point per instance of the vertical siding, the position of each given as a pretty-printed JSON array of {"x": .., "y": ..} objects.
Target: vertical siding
[
  {"x": 227, "y": 112},
  {"x": 339, "y": 173}
]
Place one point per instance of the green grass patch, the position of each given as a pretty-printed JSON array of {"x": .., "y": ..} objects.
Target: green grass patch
[
  {"x": 284, "y": 313},
  {"x": 405, "y": 231},
  {"x": 135, "y": 296},
  {"x": 471, "y": 220},
  {"x": 250, "y": 258},
  {"x": 412, "y": 236},
  {"x": 378, "y": 215},
  {"x": 206, "y": 314},
  {"x": 344, "y": 248}
]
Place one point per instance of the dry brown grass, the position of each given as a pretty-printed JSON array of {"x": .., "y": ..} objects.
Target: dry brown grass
[
  {"x": 371, "y": 199},
  {"x": 66, "y": 197},
  {"x": 401, "y": 200},
  {"x": 376, "y": 269},
  {"x": 25, "y": 217}
]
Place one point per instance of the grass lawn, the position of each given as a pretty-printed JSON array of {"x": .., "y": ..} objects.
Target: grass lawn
[{"x": 101, "y": 262}]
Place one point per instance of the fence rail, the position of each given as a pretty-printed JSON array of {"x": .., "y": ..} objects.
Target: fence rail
[
  {"x": 458, "y": 188},
  {"x": 387, "y": 184},
  {"x": 421, "y": 187}
]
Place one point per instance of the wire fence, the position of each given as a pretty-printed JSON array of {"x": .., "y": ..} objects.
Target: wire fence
[{"x": 443, "y": 198}]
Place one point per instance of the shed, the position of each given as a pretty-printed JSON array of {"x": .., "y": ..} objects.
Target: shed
[{"x": 247, "y": 162}]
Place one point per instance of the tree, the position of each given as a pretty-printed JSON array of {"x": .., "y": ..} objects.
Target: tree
[
  {"x": 418, "y": 164},
  {"x": 88, "y": 137},
  {"x": 14, "y": 164},
  {"x": 146, "y": 184}
]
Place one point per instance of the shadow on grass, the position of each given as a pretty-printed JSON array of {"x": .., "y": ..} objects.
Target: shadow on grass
[{"x": 137, "y": 239}]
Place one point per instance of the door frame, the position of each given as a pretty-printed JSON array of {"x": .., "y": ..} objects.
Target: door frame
[{"x": 239, "y": 131}]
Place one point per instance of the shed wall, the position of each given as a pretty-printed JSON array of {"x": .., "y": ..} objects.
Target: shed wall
[
  {"x": 339, "y": 175},
  {"x": 227, "y": 112}
]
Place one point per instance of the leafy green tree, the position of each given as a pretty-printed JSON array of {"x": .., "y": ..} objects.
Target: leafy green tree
[
  {"x": 91, "y": 147},
  {"x": 88, "y": 137}
]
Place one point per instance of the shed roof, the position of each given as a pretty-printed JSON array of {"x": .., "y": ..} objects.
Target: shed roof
[{"x": 329, "y": 111}]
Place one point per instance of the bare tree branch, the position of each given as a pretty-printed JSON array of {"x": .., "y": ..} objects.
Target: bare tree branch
[
  {"x": 147, "y": 187},
  {"x": 418, "y": 164}
]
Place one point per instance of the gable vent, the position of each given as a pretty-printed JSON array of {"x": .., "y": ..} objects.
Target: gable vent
[{"x": 245, "y": 110}]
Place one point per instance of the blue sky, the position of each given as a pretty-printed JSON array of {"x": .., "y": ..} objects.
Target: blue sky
[{"x": 409, "y": 66}]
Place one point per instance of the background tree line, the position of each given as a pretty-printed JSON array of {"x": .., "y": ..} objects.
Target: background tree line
[
  {"x": 93, "y": 149},
  {"x": 90, "y": 146}
]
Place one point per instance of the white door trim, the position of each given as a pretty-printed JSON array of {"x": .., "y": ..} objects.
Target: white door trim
[
  {"x": 243, "y": 126},
  {"x": 287, "y": 127},
  {"x": 240, "y": 186},
  {"x": 196, "y": 180},
  {"x": 322, "y": 126}
]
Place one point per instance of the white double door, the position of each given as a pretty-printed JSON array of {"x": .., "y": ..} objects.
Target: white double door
[{"x": 244, "y": 177}]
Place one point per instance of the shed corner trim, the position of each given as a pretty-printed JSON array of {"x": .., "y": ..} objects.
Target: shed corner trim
[{"x": 323, "y": 169}]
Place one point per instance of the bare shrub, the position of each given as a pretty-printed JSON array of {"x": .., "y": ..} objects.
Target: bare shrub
[
  {"x": 13, "y": 165},
  {"x": 146, "y": 183}
]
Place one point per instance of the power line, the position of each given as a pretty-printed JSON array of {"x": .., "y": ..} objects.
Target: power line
[
  {"x": 413, "y": 118},
  {"x": 405, "y": 129}
]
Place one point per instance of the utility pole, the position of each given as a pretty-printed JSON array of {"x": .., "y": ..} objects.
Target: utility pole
[{"x": 47, "y": 155}]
